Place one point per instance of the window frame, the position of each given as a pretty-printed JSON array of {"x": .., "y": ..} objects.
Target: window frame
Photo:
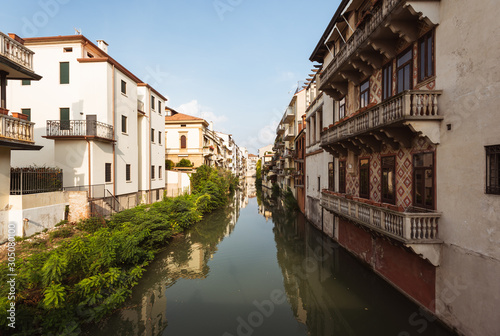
[
  {"x": 108, "y": 176},
  {"x": 391, "y": 168},
  {"x": 183, "y": 136},
  {"x": 361, "y": 182},
  {"x": 153, "y": 102},
  {"x": 26, "y": 82},
  {"x": 128, "y": 170},
  {"x": 342, "y": 176},
  {"x": 331, "y": 176},
  {"x": 152, "y": 135},
  {"x": 123, "y": 87},
  {"x": 342, "y": 108},
  {"x": 63, "y": 77},
  {"x": 159, "y": 137},
  {"x": 64, "y": 123},
  {"x": 422, "y": 188},
  {"x": 492, "y": 183},
  {"x": 387, "y": 73},
  {"x": 364, "y": 94},
  {"x": 28, "y": 110},
  {"x": 124, "y": 124},
  {"x": 153, "y": 172},
  {"x": 402, "y": 67},
  {"x": 160, "y": 171},
  {"x": 427, "y": 73}
]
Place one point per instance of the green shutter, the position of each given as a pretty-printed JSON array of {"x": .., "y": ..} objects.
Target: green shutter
[
  {"x": 26, "y": 82},
  {"x": 64, "y": 72},
  {"x": 64, "y": 113},
  {"x": 27, "y": 112}
]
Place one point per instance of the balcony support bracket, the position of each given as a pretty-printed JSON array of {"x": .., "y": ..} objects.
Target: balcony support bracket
[
  {"x": 428, "y": 128},
  {"x": 430, "y": 252}
]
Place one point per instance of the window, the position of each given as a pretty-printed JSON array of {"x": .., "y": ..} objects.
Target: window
[
  {"x": 331, "y": 176},
  {"x": 152, "y": 135},
  {"x": 157, "y": 194},
  {"x": 127, "y": 173},
  {"x": 387, "y": 81},
  {"x": 183, "y": 141},
  {"x": 124, "y": 87},
  {"x": 26, "y": 82},
  {"x": 160, "y": 171},
  {"x": 342, "y": 108},
  {"x": 364, "y": 178},
  {"x": 64, "y": 118},
  {"x": 342, "y": 176},
  {"x": 426, "y": 57},
  {"x": 320, "y": 123},
  {"x": 313, "y": 131},
  {"x": 152, "y": 172},
  {"x": 319, "y": 183},
  {"x": 68, "y": 49},
  {"x": 493, "y": 169},
  {"x": 124, "y": 124},
  {"x": 404, "y": 70},
  {"x": 64, "y": 72},
  {"x": 364, "y": 94},
  {"x": 152, "y": 102},
  {"x": 423, "y": 180},
  {"x": 389, "y": 179},
  {"x": 159, "y": 107},
  {"x": 27, "y": 111},
  {"x": 159, "y": 138},
  {"x": 107, "y": 172}
]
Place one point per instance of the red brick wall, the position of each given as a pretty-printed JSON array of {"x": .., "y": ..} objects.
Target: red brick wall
[{"x": 404, "y": 269}]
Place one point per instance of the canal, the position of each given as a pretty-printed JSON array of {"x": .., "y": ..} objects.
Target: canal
[{"x": 251, "y": 269}]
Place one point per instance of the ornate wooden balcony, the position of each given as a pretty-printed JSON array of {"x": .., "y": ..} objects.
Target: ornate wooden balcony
[
  {"x": 79, "y": 129},
  {"x": 395, "y": 121},
  {"x": 412, "y": 227},
  {"x": 16, "y": 130}
]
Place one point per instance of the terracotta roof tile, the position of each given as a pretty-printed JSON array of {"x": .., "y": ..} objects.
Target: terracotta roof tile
[{"x": 182, "y": 117}]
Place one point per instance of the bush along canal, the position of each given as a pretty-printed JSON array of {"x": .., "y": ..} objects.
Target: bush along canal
[
  {"x": 85, "y": 271},
  {"x": 253, "y": 268}
]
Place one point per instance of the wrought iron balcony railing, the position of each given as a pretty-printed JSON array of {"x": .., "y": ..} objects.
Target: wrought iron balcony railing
[{"x": 79, "y": 128}]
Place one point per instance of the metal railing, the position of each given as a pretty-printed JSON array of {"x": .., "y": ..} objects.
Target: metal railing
[
  {"x": 15, "y": 129},
  {"x": 77, "y": 128},
  {"x": 411, "y": 226},
  {"x": 35, "y": 180},
  {"x": 16, "y": 52}
]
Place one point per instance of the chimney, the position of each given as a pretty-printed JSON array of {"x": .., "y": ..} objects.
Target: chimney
[
  {"x": 211, "y": 125},
  {"x": 16, "y": 38},
  {"x": 103, "y": 45}
]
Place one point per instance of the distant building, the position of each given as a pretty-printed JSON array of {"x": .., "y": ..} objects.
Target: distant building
[{"x": 252, "y": 165}]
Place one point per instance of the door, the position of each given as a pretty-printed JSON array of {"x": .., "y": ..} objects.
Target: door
[{"x": 91, "y": 124}]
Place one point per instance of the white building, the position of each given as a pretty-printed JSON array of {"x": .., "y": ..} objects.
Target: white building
[{"x": 96, "y": 120}]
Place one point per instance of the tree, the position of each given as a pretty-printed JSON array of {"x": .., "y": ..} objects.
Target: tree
[
  {"x": 184, "y": 163},
  {"x": 169, "y": 164}
]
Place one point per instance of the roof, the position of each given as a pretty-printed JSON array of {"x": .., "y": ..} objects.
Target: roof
[
  {"x": 320, "y": 47},
  {"x": 176, "y": 116},
  {"x": 101, "y": 55},
  {"x": 253, "y": 155}
]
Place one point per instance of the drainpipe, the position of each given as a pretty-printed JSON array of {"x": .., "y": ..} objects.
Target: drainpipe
[
  {"x": 149, "y": 137},
  {"x": 90, "y": 173},
  {"x": 114, "y": 132}
]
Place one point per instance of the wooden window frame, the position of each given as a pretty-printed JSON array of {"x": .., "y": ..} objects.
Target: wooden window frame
[
  {"x": 331, "y": 176},
  {"x": 342, "y": 108},
  {"x": 342, "y": 176},
  {"x": 185, "y": 142},
  {"x": 387, "y": 72},
  {"x": 424, "y": 72},
  {"x": 63, "y": 76},
  {"x": 392, "y": 168},
  {"x": 364, "y": 94},
  {"x": 421, "y": 189},
  {"x": 492, "y": 169},
  {"x": 402, "y": 67},
  {"x": 367, "y": 169}
]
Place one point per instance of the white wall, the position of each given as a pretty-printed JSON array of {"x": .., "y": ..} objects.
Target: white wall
[{"x": 4, "y": 191}]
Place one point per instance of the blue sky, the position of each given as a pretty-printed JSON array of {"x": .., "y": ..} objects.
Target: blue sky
[{"x": 233, "y": 62}]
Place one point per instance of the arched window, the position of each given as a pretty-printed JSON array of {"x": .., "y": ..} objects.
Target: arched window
[{"x": 183, "y": 141}]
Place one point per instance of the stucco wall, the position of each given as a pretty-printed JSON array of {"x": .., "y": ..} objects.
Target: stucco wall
[{"x": 4, "y": 191}]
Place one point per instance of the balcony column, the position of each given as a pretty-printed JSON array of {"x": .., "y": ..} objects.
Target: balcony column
[{"x": 3, "y": 85}]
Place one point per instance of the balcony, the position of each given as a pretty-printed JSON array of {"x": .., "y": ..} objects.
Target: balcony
[
  {"x": 140, "y": 106},
  {"x": 16, "y": 52},
  {"x": 79, "y": 129},
  {"x": 15, "y": 130},
  {"x": 289, "y": 116},
  {"x": 413, "y": 227},
  {"x": 280, "y": 129},
  {"x": 289, "y": 134},
  {"x": 376, "y": 39},
  {"x": 395, "y": 122}
]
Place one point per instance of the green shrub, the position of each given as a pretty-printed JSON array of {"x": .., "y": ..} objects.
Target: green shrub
[
  {"x": 61, "y": 223},
  {"x": 184, "y": 163},
  {"x": 63, "y": 232},
  {"x": 169, "y": 164}
]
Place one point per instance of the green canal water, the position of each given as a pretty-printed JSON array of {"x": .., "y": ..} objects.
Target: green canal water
[{"x": 250, "y": 269}]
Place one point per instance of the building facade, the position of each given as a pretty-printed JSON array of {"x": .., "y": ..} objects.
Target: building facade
[
  {"x": 96, "y": 120},
  {"x": 410, "y": 126}
]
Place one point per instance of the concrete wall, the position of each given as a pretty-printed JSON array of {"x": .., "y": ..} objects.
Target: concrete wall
[
  {"x": 41, "y": 211},
  {"x": 177, "y": 183},
  {"x": 469, "y": 74}
]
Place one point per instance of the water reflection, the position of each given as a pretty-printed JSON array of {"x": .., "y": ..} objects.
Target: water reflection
[
  {"x": 333, "y": 293},
  {"x": 186, "y": 257}
]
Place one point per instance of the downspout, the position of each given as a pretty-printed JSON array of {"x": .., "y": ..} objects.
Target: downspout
[
  {"x": 114, "y": 132},
  {"x": 149, "y": 137},
  {"x": 89, "y": 166}
]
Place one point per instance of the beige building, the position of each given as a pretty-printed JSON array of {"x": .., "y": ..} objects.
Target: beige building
[
  {"x": 185, "y": 138},
  {"x": 411, "y": 181}
]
